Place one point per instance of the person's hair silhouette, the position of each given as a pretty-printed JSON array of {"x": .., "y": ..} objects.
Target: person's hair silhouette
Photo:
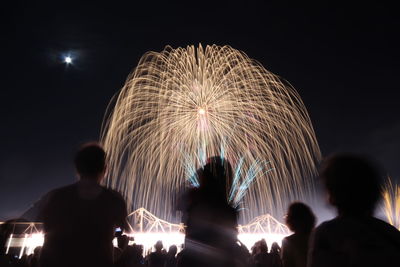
[
  {"x": 90, "y": 161},
  {"x": 300, "y": 218},
  {"x": 216, "y": 177},
  {"x": 353, "y": 183},
  {"x": 211, "y": 232}
]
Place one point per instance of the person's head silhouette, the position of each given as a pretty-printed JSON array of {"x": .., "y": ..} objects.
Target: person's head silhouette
[
  {"x": 216, "y": 176},
  {"x": 300, "y": 218},
  {"x": 172, "y": 250},
  {"x": 159, "y": 246},
  {"x": 353, "y": 183},
  {"x": 263, "y": 246},
  {"x": 90, "y": 162},
  {"x": 122, "y": 241},
  {"x": 275, "y": 248}
]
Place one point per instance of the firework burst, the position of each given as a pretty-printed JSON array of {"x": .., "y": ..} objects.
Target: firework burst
[{"x": 180, "y": 106}]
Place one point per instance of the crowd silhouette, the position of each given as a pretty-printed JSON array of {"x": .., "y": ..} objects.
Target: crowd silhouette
[{"x": 82, "y": 234}]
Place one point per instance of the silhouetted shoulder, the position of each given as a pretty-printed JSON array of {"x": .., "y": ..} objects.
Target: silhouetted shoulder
[
  {"x": 389, "y": 231},
  {"x": 68, "y": 189},
  {"x": 367, "y": 226},
  {"x": 347, "y": 241},
  {"x": 289, "y": 238},
  {"x": 115, "y": 197},
  {"x": 120, "y": 206},
  {"x": 38, "y": 212}
]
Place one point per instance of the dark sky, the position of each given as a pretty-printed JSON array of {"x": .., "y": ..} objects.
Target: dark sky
[{"x": 343, "y": 60}]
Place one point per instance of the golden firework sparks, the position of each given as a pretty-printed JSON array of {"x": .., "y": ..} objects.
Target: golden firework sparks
[
  {"x": 391, "y": 202},
  {"x": 180, "y": 106}
]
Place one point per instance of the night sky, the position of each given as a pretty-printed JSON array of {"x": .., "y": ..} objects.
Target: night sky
[{"x": 343, "y": 60}]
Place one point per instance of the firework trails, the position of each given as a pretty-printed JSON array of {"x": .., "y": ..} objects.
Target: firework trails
[
  {"x": 391, "y": 202},
  {"x": 182, "y": 105}
]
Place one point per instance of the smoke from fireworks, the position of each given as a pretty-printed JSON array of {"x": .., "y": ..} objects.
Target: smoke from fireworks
[{"x": 182, "y": 105}]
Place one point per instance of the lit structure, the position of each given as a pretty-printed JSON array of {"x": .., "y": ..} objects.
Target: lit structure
[
  {"x": 145, "y": 222},
  {"x": 25, "y": 238},
  {"x": 264, "y": 226},
  {"x": 147, "y": 229},
  {"x": 181, "y": 106}
]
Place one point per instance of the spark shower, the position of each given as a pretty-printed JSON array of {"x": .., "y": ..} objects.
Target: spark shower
[{"x": 180, "y": 106}]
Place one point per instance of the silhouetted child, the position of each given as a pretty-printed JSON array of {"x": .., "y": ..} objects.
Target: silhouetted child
[{"x": 354, "y": 237}]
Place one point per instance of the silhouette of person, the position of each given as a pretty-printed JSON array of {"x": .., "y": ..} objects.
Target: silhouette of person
[
  {"x": 301, "y": 220},
  {"x": 171, "y": 256},
  {"x": 254, "y": 250},
  {"x": 34, "y": 258},
  {"x": 262, "y": 257},
  {"x": 211, "y": 223},
  {"x": 79, "y": 220},
  {"x": 157, "y": 258},
  {"x": 128, "y": 255},
  {"x": 275, "y": 255},
  {"x": 354, "y": 237}
]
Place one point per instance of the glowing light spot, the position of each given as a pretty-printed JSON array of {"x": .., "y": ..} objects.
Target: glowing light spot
[
  {"x": 202, "y": 111},
  {"x": 68, "y": 60}
]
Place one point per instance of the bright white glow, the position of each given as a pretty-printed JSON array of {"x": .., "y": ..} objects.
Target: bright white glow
[
  {"x": 151, "y": 229},
  {"x": 23, "y": 246},
  {"x": 202, "y": 111},
  {"x": 68, "y": 60},
  {"x": 34, "y": 241},
  {"x": 147, "y": 240},
  {"x": 8, "y": 243}
]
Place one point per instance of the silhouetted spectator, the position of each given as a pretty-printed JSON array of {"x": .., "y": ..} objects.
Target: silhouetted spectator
[
  {"x": 262, "y": 257},
  {"x": 254, "y": 251},
  {"x": 171, "y": 256},
  {"x": 275, "y": 255},
  {"x": 139, "y": 260},
  {"x": 354, "y": 237},
  {"x": 129, "y": 255},
  {"x": 34, "y": 258},
  {"x": 211, "y": 232},
  {"x": 80, "y": 219},
  {"x": 301, "y": 220},
  {"x": 243, "y": 253},
  {"x": 179, "y": 255},
  {"x": 156, "y": 258}
]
